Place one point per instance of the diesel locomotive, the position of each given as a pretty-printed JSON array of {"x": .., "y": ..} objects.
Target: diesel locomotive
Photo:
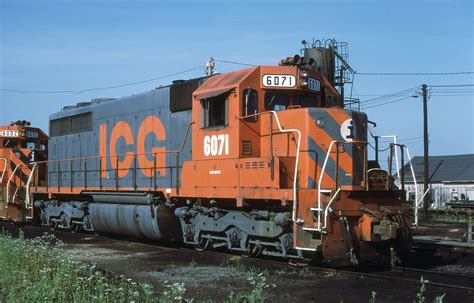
[{"x": 266, "y": 160}]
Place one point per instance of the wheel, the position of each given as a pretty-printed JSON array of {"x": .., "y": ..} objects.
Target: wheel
[
  {"x": 299, "y": 262},
  {"x": 76, "y": 228},
  {"x": 252, "y": 251},
  {"x": 203, "y": 244}
]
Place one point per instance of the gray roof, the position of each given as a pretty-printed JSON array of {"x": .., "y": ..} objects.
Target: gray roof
[{"x": 455, "y": 168}]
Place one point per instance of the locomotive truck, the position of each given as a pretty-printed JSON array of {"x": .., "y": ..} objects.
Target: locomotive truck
[{"x": 261, "y": 161}]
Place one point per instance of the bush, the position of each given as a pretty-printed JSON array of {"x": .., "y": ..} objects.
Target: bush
[{"x": 40, "y": 270}]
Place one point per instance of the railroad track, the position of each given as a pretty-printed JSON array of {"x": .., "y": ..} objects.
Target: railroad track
[{"x": 441, "y": 280}]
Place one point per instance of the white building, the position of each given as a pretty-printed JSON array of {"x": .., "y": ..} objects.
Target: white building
[{"x": 451, "y": 178}]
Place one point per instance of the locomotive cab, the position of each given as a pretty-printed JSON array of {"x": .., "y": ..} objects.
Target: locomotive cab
[{"x": 20, "y": 147}]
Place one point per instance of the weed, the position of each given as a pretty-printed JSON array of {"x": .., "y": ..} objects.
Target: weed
[
  {"x": 373, "y": 296},
  {"x": 174, "y": 293},
  {"x": 39, "y": 270},
  {"x": 260, "y": 288}
]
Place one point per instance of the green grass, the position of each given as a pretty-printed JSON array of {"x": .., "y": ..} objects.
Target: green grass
[{"x": 40, "y": 270}]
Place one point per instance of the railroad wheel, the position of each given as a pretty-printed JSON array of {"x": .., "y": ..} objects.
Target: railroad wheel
[
  {"x": 299, "y": 262},
  {"x": 53, "y": 224},
  {"x": 251, "y": 251},
  {"x": 203, "y": 244},
  {"x": 75, "y": 228}
]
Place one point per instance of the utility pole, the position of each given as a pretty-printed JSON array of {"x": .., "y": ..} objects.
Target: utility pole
[{"x": 426, "y": 199}]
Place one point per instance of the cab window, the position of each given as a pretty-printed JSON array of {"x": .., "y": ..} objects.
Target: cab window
[
  {"x": 276, "y": 101},
  {"x": 305, "y": 101},
  {"x": 250, "y": 104},
  {"x": 215, "y": 111}
]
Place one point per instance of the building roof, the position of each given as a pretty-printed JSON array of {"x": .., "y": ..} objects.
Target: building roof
[{"x": 454, "y": 168}]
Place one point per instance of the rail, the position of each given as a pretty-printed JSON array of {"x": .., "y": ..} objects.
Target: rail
[
  {"x": 56, "y": 167},
  {"x": 9, "y": 180},
  {"x": 326, "y": 210},
  {"x": 323, "y": 169},
  {"x": 401, "y": 175},
  {"x": 282, "y": 130},
  {"x": 28, "y": 204},
  {"x": 4, "y": 169}
]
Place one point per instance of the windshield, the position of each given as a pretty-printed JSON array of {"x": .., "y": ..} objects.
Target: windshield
[
  {"x": 305, "y": 100},
  {"x": 276, "y": 101}
]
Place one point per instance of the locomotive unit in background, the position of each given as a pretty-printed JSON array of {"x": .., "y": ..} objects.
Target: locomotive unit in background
[{"x": 264, "y": 160}]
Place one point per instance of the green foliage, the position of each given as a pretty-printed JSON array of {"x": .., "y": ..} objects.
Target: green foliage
[
  {"x": 260, "y": 288},
  {"x": 421, "y": 293},
  {"x": 174, "y": 293},
  {"x": 39, "y": 270},
  {"x": 373, "y": 296}
]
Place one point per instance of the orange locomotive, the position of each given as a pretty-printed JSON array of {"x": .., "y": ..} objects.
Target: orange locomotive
[{"x": 264, "y": 160}]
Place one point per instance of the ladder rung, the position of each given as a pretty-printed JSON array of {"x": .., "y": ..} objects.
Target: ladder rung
[
  {"x": 311, "y": 229},
  {"x": 316, "y": 209}
]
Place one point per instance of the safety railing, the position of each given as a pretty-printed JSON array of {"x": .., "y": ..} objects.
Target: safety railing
[
  {"x": 9, "y": 181},
  {"x": 336, "y": 143},
  {"x": 28, "y": 204},
  {"x": 298, "y": 144},
  {"x": 5, "y": 164},
  {"x": 85, "y": 166},
  {"x": 401, "y": 174}
]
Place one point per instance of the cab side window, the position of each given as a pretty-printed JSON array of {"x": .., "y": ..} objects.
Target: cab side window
[
  {"x": 215, "y": 111},
  {"x": 250, "y": 104}
]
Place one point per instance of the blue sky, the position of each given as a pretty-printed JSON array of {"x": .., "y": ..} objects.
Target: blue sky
[{"x": 74, "y": 45}]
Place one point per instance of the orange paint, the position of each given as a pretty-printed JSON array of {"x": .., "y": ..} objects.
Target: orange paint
[
  {"x": 103, "y": 148},
  {"x": 151, "y": 125},
  {"x": 121, "y": 130}
]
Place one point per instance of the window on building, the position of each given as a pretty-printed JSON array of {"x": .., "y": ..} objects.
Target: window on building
[
  {"x": 215, "y": 111},
  {"x": 276, "y": 101},
  {"x": 250, "y": 104}
]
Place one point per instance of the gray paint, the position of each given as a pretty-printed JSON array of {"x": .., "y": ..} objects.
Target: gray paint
[{"x": 133, "y": 110}]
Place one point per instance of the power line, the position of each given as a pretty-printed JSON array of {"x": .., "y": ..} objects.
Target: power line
[
  {"x": 385, "y": 103},
  {"x": 416, "y": 74},
  {"x": 234, "y": 62},
  {"x": 381, "y": 98},
  {"x": 452, "y": 85},
  {"x": 97, "y": 88}
]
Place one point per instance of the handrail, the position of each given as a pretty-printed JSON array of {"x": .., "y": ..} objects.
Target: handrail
[
  {"x": 28, "y": 204},
  {"x": 394, "y": 137},
  {"x": 416, "y": 186},
  {"x": 323, "y": 170},
  {"x": 174, "y": 151},
  {"x": 14, "y": 194},
  {"x": 327, "y": 207},
  {"x": 282, "y": 130},
  {"x": 4, "y": 169},
  {"x": 9, "y": 180},
  {"x": 418, "y": 203}
]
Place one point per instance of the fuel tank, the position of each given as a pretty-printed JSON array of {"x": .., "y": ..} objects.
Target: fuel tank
[{"x": 140, "y": 221}]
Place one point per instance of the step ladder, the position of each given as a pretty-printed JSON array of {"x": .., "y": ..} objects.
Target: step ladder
[{"x": 321, "y": 212}]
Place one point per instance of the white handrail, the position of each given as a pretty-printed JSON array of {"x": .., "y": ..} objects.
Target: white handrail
[
  {"x": 14, "y": 194},
  {"x": 8, "y": 183},
  {"x": 416, "y": 186},
  {"x": 291, "y": 130},
  {"x": 394, "y": 137},
  {"x": 327, "y": 207},
  {"x": 27, "y": 198},
  {"x": 320, "y": 181},
  {"x": 418, "y": 203},
  {"x": 4, "y": 169}
]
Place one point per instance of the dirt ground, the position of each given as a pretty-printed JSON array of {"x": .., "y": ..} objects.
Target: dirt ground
[{"x": 214, "y": 276}]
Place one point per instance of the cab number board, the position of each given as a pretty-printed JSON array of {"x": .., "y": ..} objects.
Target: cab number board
[
  {"x": 9, "y": 133},
  {"x": 279, "y": 81}
]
